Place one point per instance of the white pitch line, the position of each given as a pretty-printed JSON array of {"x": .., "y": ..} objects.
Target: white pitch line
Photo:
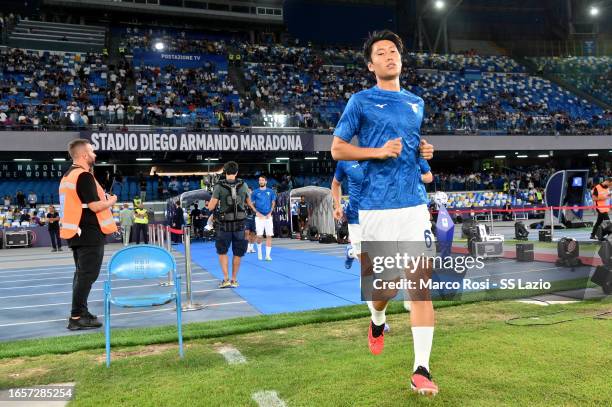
[
  {"x": 21, "y": 271},
  {"x": 101, "y": 281},
  {"x": 120, "y": 314},
  {"x": 58, "y": 267},
  {"x": 534, "y": 302},
  {"x": 268, "y": 398},
  {"x": 88, "y": 301},
  {"x": 232, "y": 355},
  {"x": 94, "y": 289},
  {"x": 67, "y": 269},
  {"x": 71, "y": 276}
]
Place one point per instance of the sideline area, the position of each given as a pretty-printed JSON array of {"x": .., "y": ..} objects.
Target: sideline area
[{"x": 475, "y": 362}]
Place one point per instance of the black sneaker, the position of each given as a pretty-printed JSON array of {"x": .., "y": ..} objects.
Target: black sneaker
[
  {"x": 53, "y": 250},
  {"x": 60, "y": 250},
  {"x": 83, "y": 323},
  {"x": 91, "y": 316}
]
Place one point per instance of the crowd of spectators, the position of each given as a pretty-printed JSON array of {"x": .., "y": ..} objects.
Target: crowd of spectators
[
  {"x": 44, "y": 89},
  {"x": 521, "y": 179},
  {"x": 283, "y": 86},
  {"x": 589, "y": 74},
  {"x": 144, "y": 39}
]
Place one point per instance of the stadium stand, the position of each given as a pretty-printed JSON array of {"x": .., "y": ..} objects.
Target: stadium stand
[
  {"x": 57, "y": 36},
  {"x": 590, "y": 74},
  {"x": 46, "y": 88},
  {"x": 282, "y": 86}
]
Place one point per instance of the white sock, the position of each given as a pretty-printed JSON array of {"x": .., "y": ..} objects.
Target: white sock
[
  {"x": 422, "y": 336},
  {"x": 268, "y": 250},
  {"x": 351, "y": 252},
  {"x": 378, "y": 317},
  {"x": 407, "y": 305},
  {"x": 258, "y": 249}
]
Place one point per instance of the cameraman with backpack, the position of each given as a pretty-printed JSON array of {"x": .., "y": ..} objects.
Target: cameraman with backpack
[{"x": 230, "y": 197}]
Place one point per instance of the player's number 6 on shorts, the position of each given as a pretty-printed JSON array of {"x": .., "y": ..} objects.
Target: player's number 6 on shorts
[{"x": 428, "y": 238}]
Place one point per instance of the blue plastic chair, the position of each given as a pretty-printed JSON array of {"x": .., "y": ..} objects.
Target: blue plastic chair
[{"x": 138, "y": 263}]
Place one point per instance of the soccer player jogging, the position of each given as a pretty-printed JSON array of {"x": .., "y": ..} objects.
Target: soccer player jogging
[
  {"x": 393, "y": 205},
  {"x": 353, "y": 173},
  {"x": 263, "y": 200}
]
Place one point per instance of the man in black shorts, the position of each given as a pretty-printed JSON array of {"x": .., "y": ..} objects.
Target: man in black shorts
[
  {"x": 196, "y": 221},
  {"x": 303, "y": 213},
  {"x": 232, "y": 197},
  {"x": 251, "y": 233}
]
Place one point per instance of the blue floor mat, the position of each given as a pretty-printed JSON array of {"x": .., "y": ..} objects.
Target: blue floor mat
[{"x": 296, "y": 280}]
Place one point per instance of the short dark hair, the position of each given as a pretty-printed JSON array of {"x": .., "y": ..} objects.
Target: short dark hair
[
  {"x": 230, "y": 168},
  {"x": 380, "y": 36},
  {"x": 75, "y": 144},
  {"x": 263, "y": 176}
]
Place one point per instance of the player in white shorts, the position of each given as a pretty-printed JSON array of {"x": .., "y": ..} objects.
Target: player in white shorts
[
  {"x": 386, "y": 120},
  {"x": 263, "y": 201}
]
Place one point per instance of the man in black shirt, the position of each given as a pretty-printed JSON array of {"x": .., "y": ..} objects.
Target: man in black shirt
[
  {"x": 196, "y": 220},
  {"x": 53, "y": 219},
  {"x": 88, "y": 245},
  {"x": 303, "y": 213},
  {"x": 20, "y": 199},
  {"x": 25, "y": 216},
  {"x": 177, "y": 221},
  {"x": 508, "y": 207}
]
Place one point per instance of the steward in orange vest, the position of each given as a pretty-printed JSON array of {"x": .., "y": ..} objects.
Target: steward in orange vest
[
  {"x": 601, "y": 195},
  {"x": 72, "y": 207},
  {"x": 85, "y": 216}
]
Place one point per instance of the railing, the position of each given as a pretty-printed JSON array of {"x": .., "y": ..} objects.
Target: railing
[{"x": 454, "y": 127}]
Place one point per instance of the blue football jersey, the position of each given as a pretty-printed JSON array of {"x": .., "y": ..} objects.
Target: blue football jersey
[
  {"x": 353, "y": 173},
  {"x": 262, "y": 200},
  {"x": 376, "y": 116}
]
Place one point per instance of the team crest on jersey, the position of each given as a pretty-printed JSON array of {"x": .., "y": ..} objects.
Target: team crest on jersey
[{"x": 415, "y": 107}]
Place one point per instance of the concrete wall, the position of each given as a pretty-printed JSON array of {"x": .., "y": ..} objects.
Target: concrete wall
[{"x": 36, "y": 140}]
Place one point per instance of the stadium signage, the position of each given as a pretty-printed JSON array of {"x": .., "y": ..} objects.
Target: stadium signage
[
  {"x": 181, "y": 61},
  {"x": 181, "y": 57},
  {"x": 33, "y": 170},
  {"x": 198, "y": 142}
]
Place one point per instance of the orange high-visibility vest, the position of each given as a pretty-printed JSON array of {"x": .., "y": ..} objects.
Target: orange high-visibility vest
[
  {"x": 601, "y": 200},
  {"x": 71, "y": 207}
]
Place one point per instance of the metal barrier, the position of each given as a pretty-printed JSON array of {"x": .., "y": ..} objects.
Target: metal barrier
[
  {"x": 552, "y": 225},
  {"x": 152, "y": 234},
  {"x": 168, "y": 239},
  {"x": 189, "y": 305},
  {"x": 161, "y": 237}
]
